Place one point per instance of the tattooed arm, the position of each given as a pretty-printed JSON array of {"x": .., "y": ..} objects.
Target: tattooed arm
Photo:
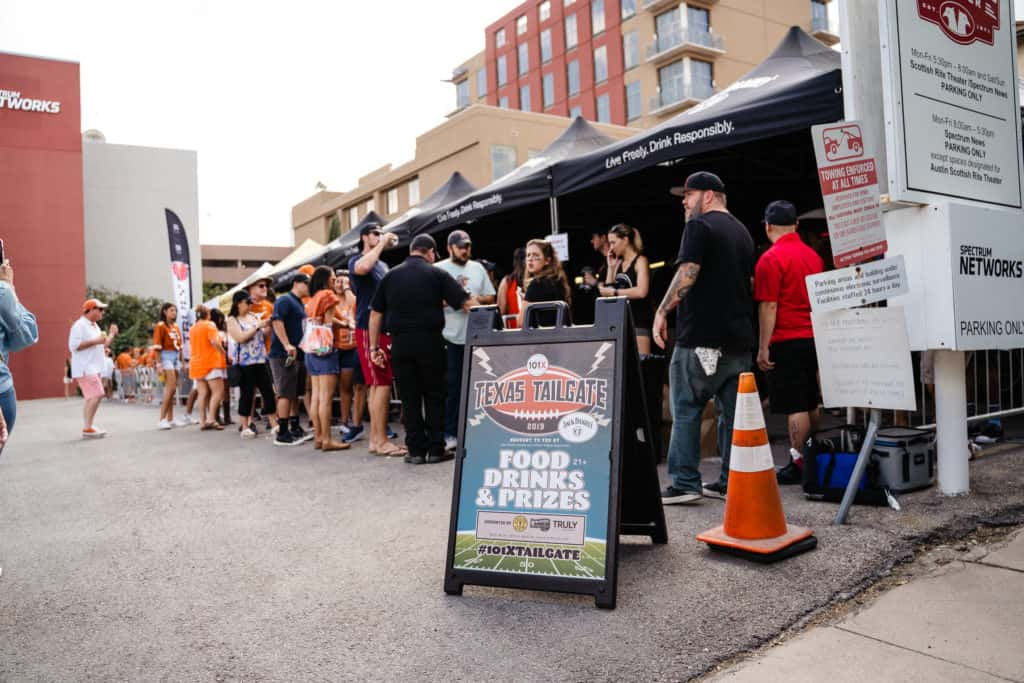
[{"x": 682, "y": 282}]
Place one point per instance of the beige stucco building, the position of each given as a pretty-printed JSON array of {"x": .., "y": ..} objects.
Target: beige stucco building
[{"x": 482, "y": 143}]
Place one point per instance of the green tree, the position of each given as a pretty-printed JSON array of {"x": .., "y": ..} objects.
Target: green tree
[
  {"x": 335, "y": 230},
  {"x": 212, "y": 289},
  {"x": 134, "y": 316}
]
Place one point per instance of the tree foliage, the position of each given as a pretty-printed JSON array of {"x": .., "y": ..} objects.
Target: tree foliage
[
  {"x": 335, "y": 230},
  {"x": 134, "y": 316},
  {"x": 212, "y": 289}
]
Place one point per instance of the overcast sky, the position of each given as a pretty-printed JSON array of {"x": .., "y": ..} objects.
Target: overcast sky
[{"x": 272, "y": 102}]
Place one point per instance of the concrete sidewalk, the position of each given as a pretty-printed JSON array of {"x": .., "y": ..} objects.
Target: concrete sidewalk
[{"x": 961, "y": 620}]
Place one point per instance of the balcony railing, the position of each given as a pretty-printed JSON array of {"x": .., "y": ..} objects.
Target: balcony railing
[
  {"x": 675, "y": 94},
  {"x": 699, "y": 39}
]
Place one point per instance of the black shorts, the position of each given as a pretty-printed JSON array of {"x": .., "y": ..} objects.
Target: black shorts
[{"x": 794, "y": 381}]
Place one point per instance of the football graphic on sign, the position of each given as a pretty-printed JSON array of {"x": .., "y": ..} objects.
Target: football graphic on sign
[
  {"x": 533, "y": 399},
  {"x": 963, "y": 21}
]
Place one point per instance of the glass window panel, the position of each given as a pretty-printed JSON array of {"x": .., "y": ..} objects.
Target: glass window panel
[
  {"x": 596, "y": 16},
  {"x": 601, "y": 64}
]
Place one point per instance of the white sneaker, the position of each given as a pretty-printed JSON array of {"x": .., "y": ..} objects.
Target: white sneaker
[
  {"x": 189, "y": 420},
  {"x": 164, "y": 424},
  {"x": 248, "y": 434},
  {"x": 450, "y": 442},
  {"x": 181, "y": 422},
  {"x": 94, "y": 433}
]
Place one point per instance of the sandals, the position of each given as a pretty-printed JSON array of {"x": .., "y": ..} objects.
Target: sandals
[
  {"x": 390, "y": 450},
  {"x": 212, "y": 425},
  {"x": 335, "y": 446}
]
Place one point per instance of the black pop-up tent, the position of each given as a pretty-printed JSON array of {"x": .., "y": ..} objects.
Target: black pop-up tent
[
  {"x": 337, "y": 252},
  {"x": 419, "y": 217},
  {"x": 529, "y": 183},
  {"x": 797, "y": 86}
]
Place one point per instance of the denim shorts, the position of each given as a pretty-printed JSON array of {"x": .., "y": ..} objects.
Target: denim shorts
[
  {"x": 317, "y": 366},
  {"x": 170, "y": 360}
]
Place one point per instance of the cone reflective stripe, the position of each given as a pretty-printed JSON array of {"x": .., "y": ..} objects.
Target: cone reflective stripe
[{"x": 754, "y": 524}]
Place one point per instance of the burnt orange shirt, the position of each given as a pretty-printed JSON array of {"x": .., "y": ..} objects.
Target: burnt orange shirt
[
  {"x": 167, "y": 337},
  {"x": 124, "y": 361},
  {"x": 263, "y": 309},
  {"x": 206, "y": 356}
]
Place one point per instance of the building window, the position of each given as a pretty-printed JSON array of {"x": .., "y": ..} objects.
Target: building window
[
  {"x": 462, "y": 94},
  {"x": 549, "y": 90},
  {"x": 670, "y": 83},
  {"x": 499, "y": 38},
  {"x": 503, "y": 160},
  {"x": 544, "y": 10},
  {"x": 414, "y": 192},
  {"x": 634, "y": 104},
  {"x": 574, "y": 77},
  {"x": 596, "y": 16},
  {"x": 545, "y": 46},
  {"x": 481, "y": 82},
  {"x": 601, "y": 64},
  {"x": 393, "y": 200},
  {"x": 628, "y": 8},
  {"x": 575, "y": 111},
  {"x": 819, "y": 16},
  {"x": 698, "y": 19},
  {"x": 524, "y": 98},
  {"x": 669, "y": 29},
  {"x": 566, "y": 3},
  {"x": 371, "y": 205},
  {"x": 524, "y": 58},
  {"x": 353, "y": 217},
  {"x": 521, "y": 24},
  {"x": 571, "y": 37},
  {"x": 502, "y": 70},
  {"x": 604, "y": 110},
  {"x": 630, "y": 50},
  {"x": 503, "y": 102},
  {"x": 701, "y": 78}
]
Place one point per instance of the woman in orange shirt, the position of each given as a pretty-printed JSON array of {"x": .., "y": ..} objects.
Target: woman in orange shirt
[
  {"x": 351, "y": 388},
  {"x": 167, "y": 341},
  {"x": 208, "y": 367},
  {"x": 323, "y": 369}
]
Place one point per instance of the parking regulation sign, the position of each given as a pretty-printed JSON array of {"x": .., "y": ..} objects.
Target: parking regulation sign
[{"x": 849, "y": 188}]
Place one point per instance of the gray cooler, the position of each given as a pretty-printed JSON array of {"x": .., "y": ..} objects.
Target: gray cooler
[{"x": 905, "y": 457}]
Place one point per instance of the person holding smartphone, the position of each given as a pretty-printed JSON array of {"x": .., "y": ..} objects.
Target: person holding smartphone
[
  {"x": 87, "y": 343},
  {"x": 18, "y": 330}
]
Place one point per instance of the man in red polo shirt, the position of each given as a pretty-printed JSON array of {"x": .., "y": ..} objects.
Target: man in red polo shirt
[{"x": 786, "y": 343}]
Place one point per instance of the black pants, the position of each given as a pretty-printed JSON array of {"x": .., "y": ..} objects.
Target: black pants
[
  {"x": 255, "y": 377},
  {"x": 418, "y": 361}
]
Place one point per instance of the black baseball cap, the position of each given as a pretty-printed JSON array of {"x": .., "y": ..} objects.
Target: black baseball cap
[
  {"x": 422, "y": 243},
  {"x": 701, "y": 180},
  {"x": 368, "y": 228},
  {"x": 459, "y": 238},
  {"x": 300, "y": 277},
  {"x": 780, "y": 212}
]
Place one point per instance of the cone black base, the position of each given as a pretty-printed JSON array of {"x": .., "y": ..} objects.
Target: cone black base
[{"x": 801, "y": 546}]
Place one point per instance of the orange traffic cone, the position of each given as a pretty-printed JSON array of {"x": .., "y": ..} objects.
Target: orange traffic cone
[{"x": 754, "y": 526}]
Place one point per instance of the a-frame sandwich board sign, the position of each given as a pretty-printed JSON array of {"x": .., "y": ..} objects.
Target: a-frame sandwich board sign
[{"x": 554, "y": 456}]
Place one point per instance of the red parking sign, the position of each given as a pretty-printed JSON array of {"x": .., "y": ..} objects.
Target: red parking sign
[{"x": 963, "y": 21}]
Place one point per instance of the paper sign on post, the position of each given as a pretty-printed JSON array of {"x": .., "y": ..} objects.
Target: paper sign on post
[
  {"x": 864, "y": 358},
  {"x": 560, "y": 243},
  {"x": 858, "y": 285},
  {"x": 849, "y": 187}
]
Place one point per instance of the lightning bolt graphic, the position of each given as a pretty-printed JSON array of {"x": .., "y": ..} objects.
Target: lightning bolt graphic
[
  {"x": 484, "y": 361},
  {"x": 599, "y": 356}
]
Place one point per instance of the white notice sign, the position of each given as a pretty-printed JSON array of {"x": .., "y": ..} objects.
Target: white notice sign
[
  {"x": 560, "y": 243},
  {"x": 857, "y": 286},
  {"x": 864, "y": 359},
  {"x": 849, "y": 187},
  {"x": 951, "y": 97}
]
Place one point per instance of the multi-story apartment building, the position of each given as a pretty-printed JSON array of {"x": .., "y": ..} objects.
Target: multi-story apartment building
[{"x": 627, "y": 62}]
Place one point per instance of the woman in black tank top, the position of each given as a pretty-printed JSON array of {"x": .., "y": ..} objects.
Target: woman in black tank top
[{"x": 629, "y": 275}]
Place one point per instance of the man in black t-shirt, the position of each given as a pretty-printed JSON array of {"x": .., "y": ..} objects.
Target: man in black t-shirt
[
  {"x": 712, "y": 289},
  {"x": 409, "y": 303}
]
